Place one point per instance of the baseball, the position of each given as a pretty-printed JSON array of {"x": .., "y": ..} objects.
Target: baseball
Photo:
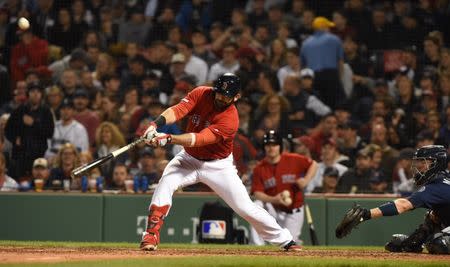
[
  {"x": 285, "y": 194},
  {"x": 23, "y": 23},
  {"x": 288, "y": 201}
]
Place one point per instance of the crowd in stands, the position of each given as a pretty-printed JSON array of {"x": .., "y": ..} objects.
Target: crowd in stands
[{"x": 357, "y": 85}]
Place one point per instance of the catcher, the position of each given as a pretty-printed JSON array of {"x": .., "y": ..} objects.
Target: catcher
[{"x": 429, "y": 165}]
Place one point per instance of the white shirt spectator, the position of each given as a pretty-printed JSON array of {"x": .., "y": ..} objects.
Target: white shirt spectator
[
  {"x": 285, "y": 71},
  {"x": 9, "y": 185},
  {"x": 74, "y": 133},
  {"x": 197, "y": 67},
  {"x": 317, "y": 180},
  {"x": 219, "y": 68}
]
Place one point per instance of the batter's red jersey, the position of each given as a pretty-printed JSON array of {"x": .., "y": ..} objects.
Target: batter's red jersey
[
  {"x": 275, "y": 178},
  {"x": 199, "y": 106}
]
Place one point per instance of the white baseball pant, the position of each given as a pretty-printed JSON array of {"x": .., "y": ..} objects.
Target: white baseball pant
[
  {"x": 293, "y": 222},
  {"x": 221, "y": 176}
]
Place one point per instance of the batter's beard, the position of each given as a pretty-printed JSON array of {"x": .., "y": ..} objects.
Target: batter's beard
[{"x": 220, "y": 105}]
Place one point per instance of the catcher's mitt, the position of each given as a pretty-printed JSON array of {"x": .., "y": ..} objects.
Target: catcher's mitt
[{"x": 352, "y": 218}]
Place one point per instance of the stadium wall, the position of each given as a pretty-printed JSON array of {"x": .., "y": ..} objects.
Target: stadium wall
[{"x": 122, "y": 218}]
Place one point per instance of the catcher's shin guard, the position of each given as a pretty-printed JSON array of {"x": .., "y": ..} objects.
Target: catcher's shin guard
[{"x": 150, "y": 238}]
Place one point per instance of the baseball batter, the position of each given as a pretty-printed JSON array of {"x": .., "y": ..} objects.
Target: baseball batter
[
  {"x": 278, "y": 182},
  {"x": 207, "y": 158}
]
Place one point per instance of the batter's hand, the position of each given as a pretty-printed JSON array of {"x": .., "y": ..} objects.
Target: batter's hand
[
  {"x": 150, "y": 132},
  {"x": 161, "y": 139}
]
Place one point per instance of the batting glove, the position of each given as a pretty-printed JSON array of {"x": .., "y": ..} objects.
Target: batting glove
[
  {"x": 150, "y": 132},
  {"x": 161, "y": 139}
]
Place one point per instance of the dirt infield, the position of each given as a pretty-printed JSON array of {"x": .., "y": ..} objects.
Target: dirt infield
[{"x": 50, "y": 255}]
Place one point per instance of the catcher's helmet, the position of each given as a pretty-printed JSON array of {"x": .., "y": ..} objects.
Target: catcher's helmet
[
  {"x": 272, "y": 137},
  {"x": 227, "y": 84},
  {"x": 425, "y": 173}
]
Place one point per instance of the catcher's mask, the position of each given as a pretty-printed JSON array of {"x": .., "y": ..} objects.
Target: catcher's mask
[{"x": 426, "y": 162}]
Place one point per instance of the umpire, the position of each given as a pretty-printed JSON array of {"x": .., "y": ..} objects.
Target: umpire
[
  {"x": 432, "y": 176},
  {"x": 323, "y": 52}
]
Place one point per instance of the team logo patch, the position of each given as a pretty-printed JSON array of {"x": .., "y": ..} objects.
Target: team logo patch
[
  {"x": 214, "y": 229},
  {"x": 421, "y": 189},
  {"x": 196, "y": 119},
  {"x": 224, "y": 85}
]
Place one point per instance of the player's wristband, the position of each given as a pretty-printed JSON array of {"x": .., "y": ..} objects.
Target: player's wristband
[
  {"x": 160, "y": 121},
  {"x": 388, "y": 209},
  {"x": 366, "y": 215}
]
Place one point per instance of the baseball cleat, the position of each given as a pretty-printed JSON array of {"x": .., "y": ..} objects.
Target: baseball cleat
[
  {"x": 149, "y": 242},
  {"x": 292, "y": 246}
]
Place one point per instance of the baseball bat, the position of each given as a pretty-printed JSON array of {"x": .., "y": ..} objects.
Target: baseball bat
[
  {"x": 102, "y": 160},
  {"x": 312, "y": 230}
]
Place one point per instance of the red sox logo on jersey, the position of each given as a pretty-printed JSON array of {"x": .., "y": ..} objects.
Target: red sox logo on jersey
[
  {"x": 269, "y": 183},
  {"x": 224, "y": 86},
  {"x": 288, "y": 178}
]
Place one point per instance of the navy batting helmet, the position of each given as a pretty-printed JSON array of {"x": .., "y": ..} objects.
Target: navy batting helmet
[
  {"x": 272, "y": 137},
  {"x": 227, "y": 84},
  {"x": 423, "y": 171}
]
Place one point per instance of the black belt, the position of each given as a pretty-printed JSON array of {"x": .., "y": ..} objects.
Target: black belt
[{"x": 292, "y": 211}]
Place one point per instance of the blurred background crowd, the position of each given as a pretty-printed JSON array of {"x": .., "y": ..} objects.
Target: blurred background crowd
[{"x": 356, "y": 85}]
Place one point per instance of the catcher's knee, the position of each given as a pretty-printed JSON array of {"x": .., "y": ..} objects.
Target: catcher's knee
[
  {"x": 439, "y": 244},
  {"x": 395, "y": 245}
]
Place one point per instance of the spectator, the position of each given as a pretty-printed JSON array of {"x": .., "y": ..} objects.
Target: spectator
[
  {"x": 82, "y": 17},
  {"x": 277, "y": 54},
  {"x": 377, "y": 36},
  {"x": 162, "y": 24},
  {"x": 105, "y": 66},
  {"x": 130, "y": 101},
  {"x": 378, "y": 181},
  {"x": 6, "y": 182},
  {"x": 28, "y": 129},
  {"x": 67, "y": 130},
  {"x": 77, "y": 60},
  {"x": 329, "y": 158},
  {"x": 243, "y": 153},
  {"x": 109, "y": 110},
  {"x": 229, "y": 63},
  {"x": 194, "y": 14},
  {"x": 245, "y": 112},
  {"x": 342, "y": 29},
  {"x": 327, "y": 128},
  {"x": 178, "y": 67},
  {"x": 19, "y": 97},
  {"x": 272, "y": 113},
  {"x": 257, "y": 14},
  {"x": 194, "y": 65},
  {"x": 107, "y": 28},
  {"x": 54, "y": 98},
  {"x": 147, "y": 166},
  {"x": 330, "y": 179},
  {"x": 410, "y": 61},
  {"x": 444, "y": 63},
  {"x": 445, "y": 129},
  {"x": 135, "y": 29},
  {"x": 137, "y": 66},
  {"x": 111, "y": 84},
  {"x": 41, "y": 171},
  {"x": 356, "y": 180},
  {"x": 292, "y": 65},
  {"x": 120, "y": 175},
  {"x": 305, "y": 107},
  {"x": 349, "y": 142},
  {"x": 323, "y": 53},
  {"x": 84, "y": 115},
  {"x": 66, "y": 161},
  {"x": 107, "y": 139},
  {"x": 201, "y": 48},
  {"x": 64, "y": 33},
  {"x": 306, "y": 28},
  {"x": 284, "y": 34},
  {"x": 432, "y": 53},
  {"x": 69, "y": 82},
  {"x": 402, "y": 181},
  {"x": 389, "y": 154},
  {"x": 30, "y": 53}
]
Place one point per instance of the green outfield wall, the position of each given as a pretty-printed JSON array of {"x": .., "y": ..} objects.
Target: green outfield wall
[{"x": 115, "y": 218}]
